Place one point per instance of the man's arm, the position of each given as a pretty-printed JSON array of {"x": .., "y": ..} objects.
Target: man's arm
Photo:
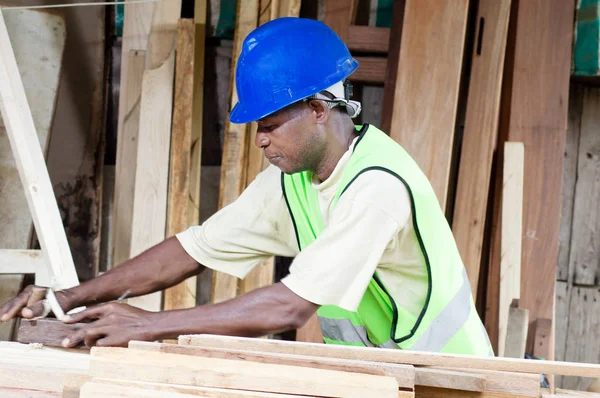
[
  {"x": 263, "y": 311},
  {"x": 160, "y": 267}
]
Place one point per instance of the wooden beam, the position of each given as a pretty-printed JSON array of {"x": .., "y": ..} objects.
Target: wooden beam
[
  {"x": 431, "y": 392},
  {"x": 32, "y": 167},
  {"x": 222, "y": 373},
  {"x": 339, "y": 15},
  {"x": 394, "y": 356},
  {"x": 183, "y": 295},
  {"x": 449, "y": 379},
  {"x": 429, "y": 72},
  {"x": 393, "y": 58},
  {"x": 47, "y": 331},
  {"x": 370, "y": 70},
  {"x": 535, "y": 68},
  {"x": 235, "y": 146},
  {"x": 371, "y": 39},
  {"x": 512, "y": 232},
  {"x": 516, "y": 332},
  {"x": 404, "y": 374},
  {"x": 480, "y": 133}
]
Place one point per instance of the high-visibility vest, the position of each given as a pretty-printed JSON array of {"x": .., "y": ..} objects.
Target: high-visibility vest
[{"x": 448, "y": 321}]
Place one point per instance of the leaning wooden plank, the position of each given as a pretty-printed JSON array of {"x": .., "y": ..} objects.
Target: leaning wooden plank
[
  {"x": 234, "y": 148},
  {"x": 516, "y": 332},
  {"x": 429, "y": 71},
  {"x": 155, "y": 389},
  {"x": 150, "y": 192},
  {"x": 535, "y": 69},
  {"x": 182, "y": 295},
  {"x": 512, "y": 231},
  {"x": 391, "y": 73},
  {"x": 480, "y": 133},
  {"x": 339, "y": 15},
  {"x": 127, "y": 150},
  {"x": 394, "y": 356},
  {"x": 404, "y": 374},
  {"x": 32, "y": 167},
  {"x": 583, "y": 333},
  {"x": 38, "y": 40},
  {"x": 585, "y": 240},
  {"x": 222, "y": 373}
]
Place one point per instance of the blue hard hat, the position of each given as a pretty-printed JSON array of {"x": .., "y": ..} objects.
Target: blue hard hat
[{"x": 284, "y": 61}]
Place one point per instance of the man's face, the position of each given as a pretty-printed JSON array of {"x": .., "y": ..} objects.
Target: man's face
[{"x": 291, "y": 140}]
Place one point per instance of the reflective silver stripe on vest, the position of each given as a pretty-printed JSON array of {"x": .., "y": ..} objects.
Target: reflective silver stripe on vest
[
  {"x": 344, "y": 330},
  {"x": 449, "y": 321}
]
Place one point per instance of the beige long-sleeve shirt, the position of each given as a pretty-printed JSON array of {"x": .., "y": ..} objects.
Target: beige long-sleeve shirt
[{"x": 370, "y": 229}]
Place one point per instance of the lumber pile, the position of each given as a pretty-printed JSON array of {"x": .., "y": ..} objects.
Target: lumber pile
[{"x": 221, "y": 366}]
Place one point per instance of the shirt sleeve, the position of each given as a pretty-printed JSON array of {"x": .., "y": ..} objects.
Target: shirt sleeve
[
  {"x": 337, "y": 267},
  {"x": 242, "y": 234}
]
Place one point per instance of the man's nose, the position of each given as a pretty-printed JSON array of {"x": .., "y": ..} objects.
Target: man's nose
[{"x": 261, "y": 140}]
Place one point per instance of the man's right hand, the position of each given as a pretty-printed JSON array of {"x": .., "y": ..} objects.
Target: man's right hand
[{"x": 28, "y": 304}]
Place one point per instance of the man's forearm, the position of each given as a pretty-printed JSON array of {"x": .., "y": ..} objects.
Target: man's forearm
[
  {"x": 160, "y": 267},
  {"x": 263, "y": 311}
]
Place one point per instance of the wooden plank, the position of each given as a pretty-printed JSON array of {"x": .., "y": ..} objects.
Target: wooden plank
[
  {"x": 22, "y": 393},
  {"x": 222, "y": 373},
  {"x": 560, "y": 393},
  {"x": 404, "y": 374},
  {"x": 562, "y": 322},
  {"x": 391, "y": 73},
  {"x": 339, "y": 15},
  {"x": 183, "y": 295},
  {"x": 234, "y": 148},
  {"x": 431, "y": 392},
  {"x": 311, "y": 331},
  {"x": 535, "y": 68},
  {"x": 585, "y": 241},
  {"x": 512, "y": 232},
  {"x": 449, "y": 379},
  {"x": 543, "y": 331},
  {"x": 38, "y": 41},
  {"x": 47, "y": 331},
  {"x": 394, "y": 356},
  {"x": 522, "y": 384},
  {"x": 569, "y": 178},
  {"x": 370, "y": 39},
  {"x": 156, "y": 389},
  {"x": 127, "y": 150},
  {"x": 370, "y": 70},
  {"x": 480, "y": 134},
  {"x": 32, "y": 168},
  {"x": 516, "y": 332},
  {"x": 429, "y": 70},
  {"x": 583, "y": 332},
  {"x": 72, "y": 384}
]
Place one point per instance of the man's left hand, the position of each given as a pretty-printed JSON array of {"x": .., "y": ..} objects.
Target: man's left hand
[{"x": 111, "y": 324}]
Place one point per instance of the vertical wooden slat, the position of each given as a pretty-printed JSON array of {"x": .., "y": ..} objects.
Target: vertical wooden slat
[
  {"x": 339, "y": 15},
  {"x": 480, "y": 133},
  {"x": 233, "y": 168},
  {"x": 585, "y": 239},
  {"x": 426, "y": 92},
  {"x": 182, "y": 295},
  {"x": 512, "y": 227},
  {"x": 538, "y": 68}
]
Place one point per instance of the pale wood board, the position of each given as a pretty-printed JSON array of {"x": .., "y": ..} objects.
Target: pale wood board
[
  {"x": 535, "y": 68},
  {"x": 152, "y": 389},
  {"x": 221, "y": 373},
  {"x": 429, "y": 70},
  {"x": 512, "y": 232},
  {"x": 480, "y": 134},
  {"x": 137, "y": 20},
  {"x": 127, "y": 150},
  {"x": 516, "y": 332},
  {"x": 449, "y": 379},
  {"x": 585, "y": 239},
  {"x": 183, "y": 295},
  {"x": 234, "y": 148},
  {"x": 431, "y": 392},
  {"x": 30, "y": 162},
  {"x": 394, "y": 356},
  {"x": 583, "y": 333},
  {"x": 21, "y": 393},
  {"x": 404, "y": 374},
  {"x": 569, "y": 178},
  {"x": 560, "y": 393},
  {"x": 150, "y": 192}
]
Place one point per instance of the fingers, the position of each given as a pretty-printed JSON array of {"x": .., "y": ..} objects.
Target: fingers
[
  {"x": 36, "y": 310},
  {"x": 9, "y": 310},
  {"x": 87, "y": 335},
  {"x": 89, "y": 314}
]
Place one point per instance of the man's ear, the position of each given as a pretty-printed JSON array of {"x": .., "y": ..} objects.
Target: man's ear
[{"x": 320, "y": 110}]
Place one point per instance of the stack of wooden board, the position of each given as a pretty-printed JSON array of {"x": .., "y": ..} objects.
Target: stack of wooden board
[{"x": 219, "y": 366}]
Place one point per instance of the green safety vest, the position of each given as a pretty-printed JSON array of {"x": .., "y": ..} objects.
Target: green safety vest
[{"x": 448, "y": 321}]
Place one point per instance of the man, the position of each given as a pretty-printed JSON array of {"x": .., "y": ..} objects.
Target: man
[{"x": 374, "y": 254}]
